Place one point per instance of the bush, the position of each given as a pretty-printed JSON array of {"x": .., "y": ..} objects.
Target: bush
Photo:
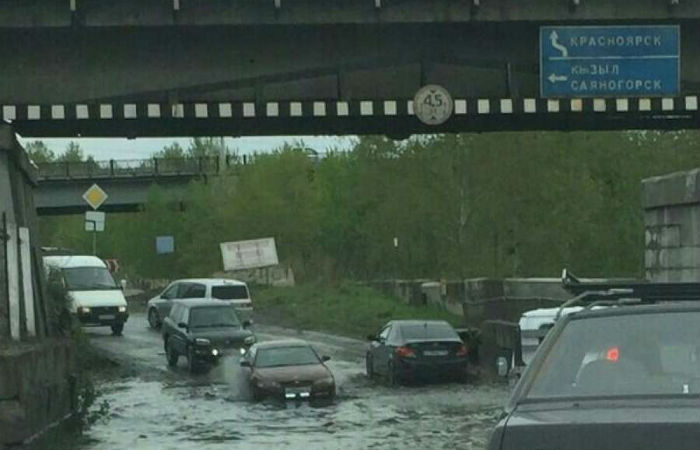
[{"x": 87, "y": 411}]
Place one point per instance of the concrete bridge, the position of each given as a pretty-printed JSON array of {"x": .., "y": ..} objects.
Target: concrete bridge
[
  {"x": 217, "y": 67},
  {"x": 60, "y": 185}
]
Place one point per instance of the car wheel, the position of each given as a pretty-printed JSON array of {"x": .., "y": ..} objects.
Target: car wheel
[
  {"x": 192, "y": 364},
  {"x": 153, "y": 320},
  {"x": 117, "y": 329},
  {"x": 369, "y": 366},
  {"x": 256, "y": 393},
  {"x": 171, "y": 355},
  {"x": 391, "y": 375},
  {"x": 462, "y": 377}
]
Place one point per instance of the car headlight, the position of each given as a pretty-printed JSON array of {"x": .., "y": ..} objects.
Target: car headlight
[
  {"x": 202, "y": 341},
  {"x": 122, "y": 309},
  {"x": 215, "y": 352},
  {"x": 250, "y": 340},
  {"x": 84, "y": 309}
]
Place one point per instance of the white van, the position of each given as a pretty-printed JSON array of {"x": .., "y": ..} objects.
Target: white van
[{"x": 95, "y": 298}]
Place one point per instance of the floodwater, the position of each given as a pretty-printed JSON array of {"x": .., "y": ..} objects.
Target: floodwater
[{"x": 162, "y": 408}]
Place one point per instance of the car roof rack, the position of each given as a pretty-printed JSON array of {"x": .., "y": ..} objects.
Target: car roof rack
[{"x": 591, "y": 293}]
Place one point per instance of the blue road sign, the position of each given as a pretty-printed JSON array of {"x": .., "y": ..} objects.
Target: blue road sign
[
  {"x": 604, "y": 61},
  {"x": 165, "y": 244}
]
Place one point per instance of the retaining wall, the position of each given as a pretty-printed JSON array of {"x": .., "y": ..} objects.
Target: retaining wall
[
  {"x": 672, "y": 226},
  {"x": 37, "y": 388}
]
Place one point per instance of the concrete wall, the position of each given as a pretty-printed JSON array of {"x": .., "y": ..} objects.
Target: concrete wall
[
  {"x": 17, "y": 180},
  {"x": 479, "y": 299},
  {"x": 35, "y": 388},
  {"x": 506, "y": 299},
  {"x": 672, "y": 226},
  {"x": 36, "y": 367}
]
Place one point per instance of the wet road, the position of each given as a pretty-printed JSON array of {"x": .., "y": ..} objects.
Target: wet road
[{"x": 169, "y": 409}]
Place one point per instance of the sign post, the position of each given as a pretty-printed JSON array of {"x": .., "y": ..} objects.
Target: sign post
[
  {"x": 606, "y": 61},
  {"x": 94, "y": 221}
]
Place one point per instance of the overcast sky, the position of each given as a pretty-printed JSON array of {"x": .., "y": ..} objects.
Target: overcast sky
[{"x": 103, "y": 149}]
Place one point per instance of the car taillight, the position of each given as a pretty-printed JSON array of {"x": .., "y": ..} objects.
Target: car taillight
[
  {"x": 613, "y": 354},
  {"x": 462, "y": 351},
  {"x": 406, "y": 352}
]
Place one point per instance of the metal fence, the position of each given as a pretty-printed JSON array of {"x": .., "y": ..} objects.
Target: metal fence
[{"x": 129, "y": 168}]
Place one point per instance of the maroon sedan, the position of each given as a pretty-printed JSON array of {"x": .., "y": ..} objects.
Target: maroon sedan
[{"x": 288, "y": 369}]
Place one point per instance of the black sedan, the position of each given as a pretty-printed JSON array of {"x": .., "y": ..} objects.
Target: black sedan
[
  {"x": 288, "y": 369},
  {"x": 416, "y": 349},
  {"x": 626, "y": 377},
  {"x": 203, "y": 331}
]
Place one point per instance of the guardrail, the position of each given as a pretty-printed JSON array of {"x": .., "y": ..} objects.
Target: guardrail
[{"x": 132, "y": 168}]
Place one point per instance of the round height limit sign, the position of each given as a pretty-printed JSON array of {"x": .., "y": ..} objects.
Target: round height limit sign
[{"x": 433, "y": 104}]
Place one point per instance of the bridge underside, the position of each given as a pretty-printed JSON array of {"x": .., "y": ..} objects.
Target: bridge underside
[
  {"x": 127, "y": 77},
  {"x": 64, "y": 197}
]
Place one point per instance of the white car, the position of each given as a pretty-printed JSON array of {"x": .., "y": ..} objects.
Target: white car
[
  {"x": 535, "y": 324},
  {"x": 233, "y": 291}
]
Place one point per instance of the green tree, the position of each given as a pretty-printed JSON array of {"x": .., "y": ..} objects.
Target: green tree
[
  {"x": 466, "y": 205},
  {"x": 173, "y": 151},
  {"x": 39, "y": 152},
  {"x": 73, "y": 153},
  {"x": 207, "y": 147}
]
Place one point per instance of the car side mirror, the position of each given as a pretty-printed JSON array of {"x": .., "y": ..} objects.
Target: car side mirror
[
  {"x": 325, "y": 358},
  {"x": 245, "y": 363},
  {"x": 247, "y": 323},
  {"x": 182, "y": 325}
]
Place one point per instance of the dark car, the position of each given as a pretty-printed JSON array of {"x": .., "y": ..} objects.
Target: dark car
[
  {"x": 625, "y": 377},
  {"x": 203, "y": 331},
  {"x": 416, "y": 349},
  {"x": 288, "y": 369}
]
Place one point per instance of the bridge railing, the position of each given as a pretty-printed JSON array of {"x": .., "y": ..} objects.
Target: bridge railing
[{"x": 129, "y": 168}]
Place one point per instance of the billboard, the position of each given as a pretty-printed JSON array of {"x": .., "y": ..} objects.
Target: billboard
[{"x": 251, "y": 254}]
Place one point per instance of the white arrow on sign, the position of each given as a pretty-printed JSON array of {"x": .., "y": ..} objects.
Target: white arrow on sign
[
  {"x": 554, "y": 37},
  {"x": 553, "y": 78}
]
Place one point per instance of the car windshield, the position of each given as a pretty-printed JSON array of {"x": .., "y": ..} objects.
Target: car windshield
[
  {"x": 286, "y": 356},
  {"x": 231, "y": 292},
  {"x": 644, "y": 354},
  {"x": 428, "y": 331},
  {"x": 213, "y": 316},
  {"x": 89, "y": 278}
]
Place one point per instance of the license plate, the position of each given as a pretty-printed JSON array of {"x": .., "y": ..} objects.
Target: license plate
[
  {"x": 106, "y": 316},
  {"x": 435, "y": 352},
  {"x": 302, "y": 392}
]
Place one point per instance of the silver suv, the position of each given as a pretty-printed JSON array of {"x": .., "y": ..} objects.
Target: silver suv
[{"x": 200, "y": 288}]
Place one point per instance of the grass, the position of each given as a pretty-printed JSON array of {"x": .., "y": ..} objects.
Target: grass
[{"x": 348, "y": 309}]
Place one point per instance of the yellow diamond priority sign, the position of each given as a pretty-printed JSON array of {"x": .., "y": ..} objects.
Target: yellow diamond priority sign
[{"x": 95, "y": 196}]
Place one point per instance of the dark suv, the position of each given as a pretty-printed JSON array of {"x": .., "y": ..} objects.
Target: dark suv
[
  {"x": 203, "y": 331},
  {"x": 622, "y": 377}
]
